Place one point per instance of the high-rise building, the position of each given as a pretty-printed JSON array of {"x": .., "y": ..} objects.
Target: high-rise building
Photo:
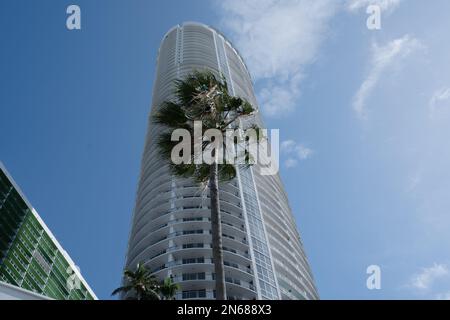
[
  {"x": 263, "y": 254},
  {"x": 33, "y": 265}
]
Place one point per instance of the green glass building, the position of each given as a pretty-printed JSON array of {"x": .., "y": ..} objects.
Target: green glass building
[{"x": 30, "y": 256}]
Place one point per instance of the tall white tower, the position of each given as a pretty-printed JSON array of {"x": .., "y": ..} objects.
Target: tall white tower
[{"x": 263, "y": 253}]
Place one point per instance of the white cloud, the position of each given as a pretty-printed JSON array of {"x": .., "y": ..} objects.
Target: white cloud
[
  {"x": 385, "y": 5},
  {"x": 291, "y": 147},
  {"x": 414, "y": 181},
  {"x": 383, "y": 57},
  {"x": 291, "y": 163},
  {"x": 443, "y": 296},
  {"x": 295, "y": 152},
  {"x": 288, "y": 146},
  {"x": 425, "y": 279},
  {"x": 303, "y": 152},
  {"x": 278, "y": 39},
  {"x": 280, "y": 97},
  {"x": 439, "y": 100},
  {"x": 432, "y": 282}
]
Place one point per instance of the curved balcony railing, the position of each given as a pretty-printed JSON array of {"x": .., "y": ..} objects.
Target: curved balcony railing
[
  {"x": 211, "y": 277},
  {"x": 228, "y": 265}
]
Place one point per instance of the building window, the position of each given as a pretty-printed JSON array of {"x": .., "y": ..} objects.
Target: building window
[
  {"x": 194, "y": 276},
  {"x": 192, "y": 245},
  {"x": 194, "y": 260},
  {"x": 192, "y": 294}
]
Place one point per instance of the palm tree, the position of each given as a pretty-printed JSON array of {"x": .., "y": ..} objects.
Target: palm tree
[
  {"x": 200, "y": 96},
  {"x": 143, "y": 285},
  {"x": 168, "y": 289}
]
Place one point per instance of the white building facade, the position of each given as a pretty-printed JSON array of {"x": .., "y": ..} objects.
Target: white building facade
[{"x": 263, "y": 253}]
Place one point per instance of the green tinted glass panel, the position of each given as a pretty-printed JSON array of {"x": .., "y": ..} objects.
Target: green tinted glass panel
[{"x": 28, "y": 256}]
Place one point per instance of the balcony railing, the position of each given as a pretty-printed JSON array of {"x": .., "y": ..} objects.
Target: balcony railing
[
  {"x": 211, "y": 277},
  {"x": 228, "y": 264}
]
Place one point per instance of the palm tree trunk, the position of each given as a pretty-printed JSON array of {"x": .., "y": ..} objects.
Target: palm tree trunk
[{"x": 216, "y": 232}]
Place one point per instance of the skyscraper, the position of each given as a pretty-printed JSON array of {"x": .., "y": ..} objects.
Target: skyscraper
[
  {"x": 33, "y": 265},
  {"x": 263, "y": 253}
]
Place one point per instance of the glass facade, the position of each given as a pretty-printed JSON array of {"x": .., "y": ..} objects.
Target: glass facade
[
  {"x": 267, "y": 284},
  {"x": 30, "y": 258}
]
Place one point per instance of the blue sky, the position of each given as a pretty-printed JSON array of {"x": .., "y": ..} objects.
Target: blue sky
[{"x": 364, "y": 118}]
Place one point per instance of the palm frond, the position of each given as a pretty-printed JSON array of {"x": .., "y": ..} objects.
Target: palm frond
[
  {"x": 122, "y": 289},
  {"x": 203, "y": 97},
  {"x": 171, "y": 115},
  {"x": 202, "y": 173},
  {"x": 166, "y": 145},
  {"x": 227, "y": 172}
]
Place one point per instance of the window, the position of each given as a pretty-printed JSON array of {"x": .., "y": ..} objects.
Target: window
[
  {"x": 194, "y": 260},
  {"x": 202, "y": 293},
  {"x": 192, "y": 219},
  {"x": 193, "y": 232},
  {"x": 189, "y": 294},
  {"x": 194, "y": 276},
  {"x": 192, "y": 245},
  {"x": 192, "y": 294}
]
